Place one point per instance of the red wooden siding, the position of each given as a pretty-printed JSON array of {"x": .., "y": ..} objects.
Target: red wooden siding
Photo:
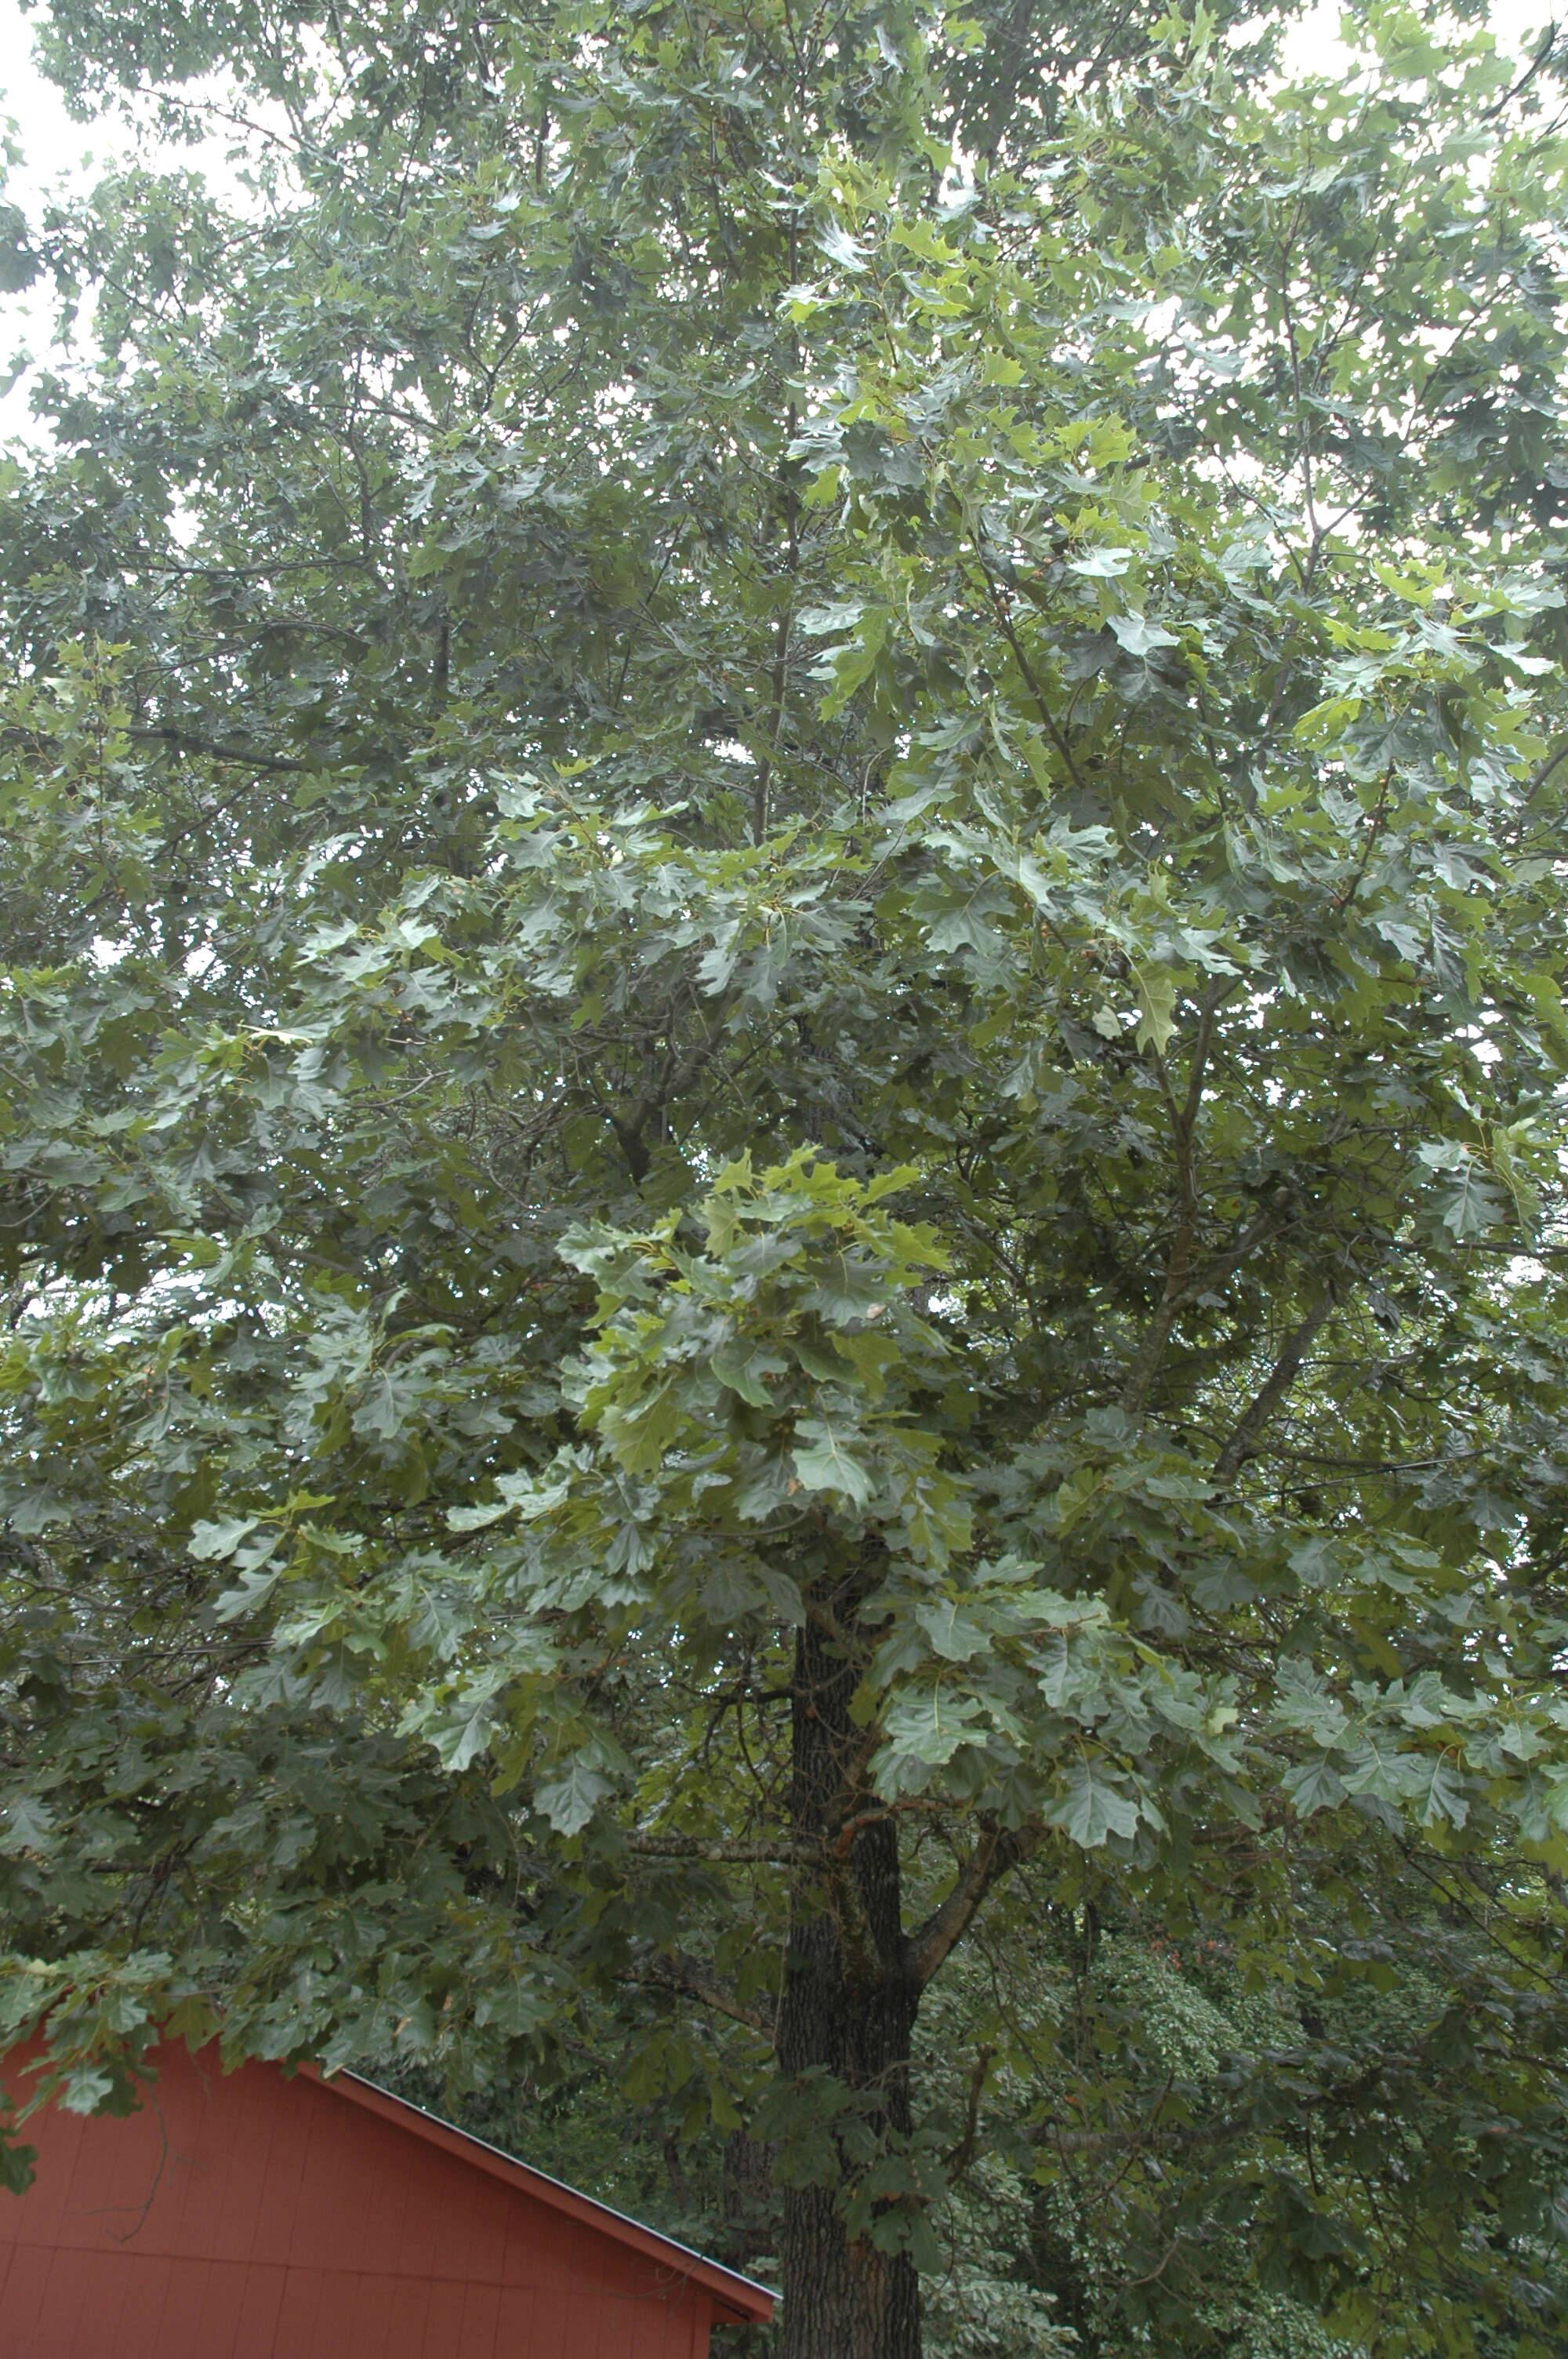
[{"x": 253, "y": 2216}]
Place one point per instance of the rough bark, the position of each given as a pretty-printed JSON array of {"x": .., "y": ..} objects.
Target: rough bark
[{"x": 848, "y": 2008}]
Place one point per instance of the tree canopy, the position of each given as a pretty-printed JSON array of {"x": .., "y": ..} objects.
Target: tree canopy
[{"x": 781, "y": 1039}]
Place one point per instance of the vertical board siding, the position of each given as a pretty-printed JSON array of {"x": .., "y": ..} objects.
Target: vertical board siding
[
  {"x": 255, "y": 2216},
  {"x": 26, "y": 2280}
]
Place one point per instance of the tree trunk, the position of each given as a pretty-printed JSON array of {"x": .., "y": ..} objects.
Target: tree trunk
[{"x": 848, "y": 2011}]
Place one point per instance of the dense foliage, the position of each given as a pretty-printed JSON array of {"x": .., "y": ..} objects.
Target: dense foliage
[{"x": 781, "y": 1088}]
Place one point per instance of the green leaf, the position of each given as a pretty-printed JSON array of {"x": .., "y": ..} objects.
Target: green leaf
[
  {"x": 571, "y": 1801},
  {"x": 1441, "y": 1798},
  {"x": 462, "y": 1733},
  {"x": 954, "y": 1635},
  {"x": 1093, "y": 1805},
  {"x": 837, "y": 244},
  {"x": 1140, "y": 637},
  {"x": 478, "y": 1517},
  {"x": 25, "y": 1824},
  {"x": 827, "y": 1462},
  {"x": 215, "y": 1540},
  {"x": 1314, "y": 1786},
  {"x": 743, "y": 1365},
  {"x": 1157, "y": 994}
]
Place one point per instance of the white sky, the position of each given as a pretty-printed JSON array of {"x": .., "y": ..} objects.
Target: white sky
[
  {"x": 57, "y": 152},
  {"x": 54, "y": 149}
]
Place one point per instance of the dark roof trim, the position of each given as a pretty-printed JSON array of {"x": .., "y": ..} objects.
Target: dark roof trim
[{"x": 734, "y": 2296}]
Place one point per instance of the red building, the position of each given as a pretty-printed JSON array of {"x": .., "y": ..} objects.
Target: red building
[{"x": 253, "y": 2216}]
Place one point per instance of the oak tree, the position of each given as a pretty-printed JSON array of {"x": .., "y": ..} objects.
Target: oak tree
[{"x": 783, "y": 1046}]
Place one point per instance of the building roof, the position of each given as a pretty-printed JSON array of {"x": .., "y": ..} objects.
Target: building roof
[{"x": 738, "y": 2298}]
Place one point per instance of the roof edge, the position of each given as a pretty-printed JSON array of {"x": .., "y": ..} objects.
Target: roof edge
[{"x": 742, "y": 2298}]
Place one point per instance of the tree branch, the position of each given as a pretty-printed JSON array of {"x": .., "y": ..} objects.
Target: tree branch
[
  {"x": 999, "y": 607},
  {"x": 998, "y": 1851},
  {"x": 780, "y": 1854},
  {"x": 959, "y": 2156},
  {"x": 1180, "y": 1290},
  {"x": 1184, "y": 1121},
  {"x": 179, "y": 742},
  {"x": 685, "y": 1977},
  {"x": 780, "y": 679},
  {"x": 1268, "y": 1396}
]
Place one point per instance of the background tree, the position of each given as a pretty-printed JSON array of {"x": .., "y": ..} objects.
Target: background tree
[{"x": 783, "y": 1047}]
